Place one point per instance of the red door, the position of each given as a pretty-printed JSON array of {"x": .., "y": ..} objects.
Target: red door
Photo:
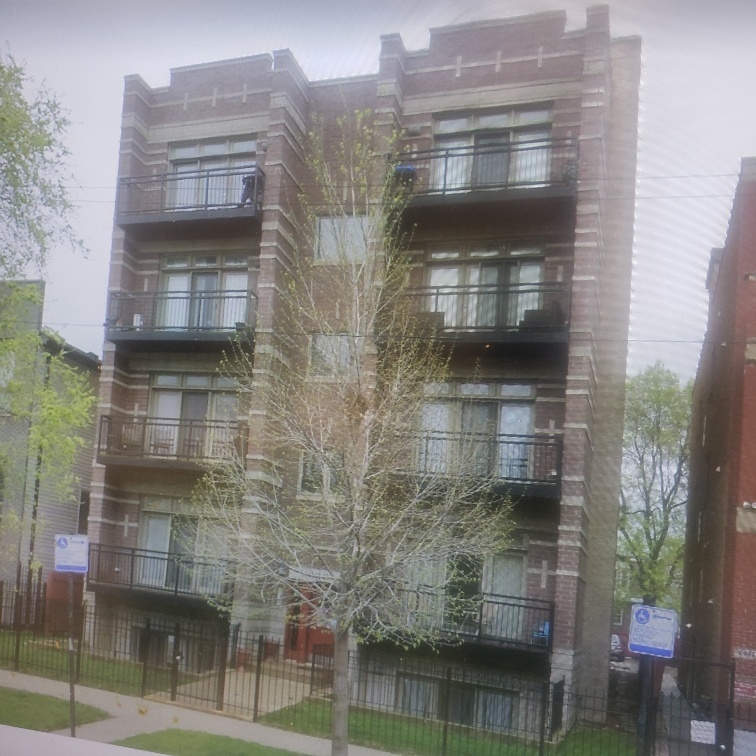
[{"x": 302, "y": 631}]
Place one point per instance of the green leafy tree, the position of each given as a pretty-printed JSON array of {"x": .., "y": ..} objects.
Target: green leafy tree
[
  {"x": 45, "y": 403},
  {"x": 46, "y": 414},
  {"x": 654, "y": 488},
  {"x": 35, "y": 211}
]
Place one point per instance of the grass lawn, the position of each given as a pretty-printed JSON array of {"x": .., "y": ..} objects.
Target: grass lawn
[
  {"x": 396, "y": 733},
  {"x": 49, "y": 657},
  {"x": 406, "y": 735},
  {"x": 188, "y": 743},
  {"x": 36, "y": 712}
]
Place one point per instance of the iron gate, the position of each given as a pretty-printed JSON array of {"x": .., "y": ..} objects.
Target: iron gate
[{"x": 694, "y": 717}]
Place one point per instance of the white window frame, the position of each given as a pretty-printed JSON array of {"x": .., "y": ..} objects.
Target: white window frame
[
  {"x": 342, "y": 238},
  {"x": 330, "y": 354},
  {"x": 326, "y": 472},
  {"x": 457, "y": 132}
]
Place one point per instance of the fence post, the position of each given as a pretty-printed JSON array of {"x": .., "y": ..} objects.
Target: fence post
[
  {"x": 17, "y": 628},
  {"x": 144, "y": 650},
  {"x": 258, "y": 678},
  {"x": 175, "y": 658},
  {"x": 28, "y": 597},
  {"x": 445, "y": 711},
  {"x": 545, "y": 687},
  {"x": 38, "y": 603},
  {"x": 220, "y": 692},
  {"x": 729, "y": 743}
]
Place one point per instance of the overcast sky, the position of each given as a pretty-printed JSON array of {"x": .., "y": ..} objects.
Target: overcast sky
[{"x": 698, "y": 118}]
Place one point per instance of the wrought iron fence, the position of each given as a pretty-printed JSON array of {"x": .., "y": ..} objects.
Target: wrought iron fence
[
  {"x": 489, "y": 309},
  {"x": 399, "y": 702},
  {"x": 207, "y": 189},
  {"x": 163, "y": 438},
  {"x": 176, "y": 312},
  {"x": 509, "y": 165}
]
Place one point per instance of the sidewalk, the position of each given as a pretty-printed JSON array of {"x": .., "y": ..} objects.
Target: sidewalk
[{"x": 131, "y": 716}]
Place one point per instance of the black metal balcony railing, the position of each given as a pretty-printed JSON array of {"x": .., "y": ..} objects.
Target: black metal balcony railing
[
  {"x": 523, "y": 459},
  {"x": 178, "y": 574},
  {"x": 512, "y": 620},
  {"x": 170, "y": 311},
  {"x": 493, "y": 308},
  {"x": 537, "y": 163},
  {"x": 159, "y": 438},
  {"x": 208, "y": 189}
]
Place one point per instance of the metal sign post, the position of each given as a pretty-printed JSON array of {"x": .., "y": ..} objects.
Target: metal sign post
[
  {"x": 72, "y": 557},
  {"x": 652, "y": 634}
]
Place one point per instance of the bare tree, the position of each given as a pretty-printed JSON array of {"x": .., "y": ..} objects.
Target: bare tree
[
  {"x": 383, "y": 518},
  {"x": 654, "y": 487}
]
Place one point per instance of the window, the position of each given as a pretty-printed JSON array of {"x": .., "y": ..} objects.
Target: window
[
  {"x": 464, "y": 704},
  {"x": 483, "y": 150},
  {"x": 484, "y": 428},
  {"x": 193, "y": 415},
  {"x": 203, "y": 292},
  {"x": 486, "y": 286},
  {"x": 320, "y": 477},
  {"x": 192, "y": 544},
  {"x": 331, "y": 354},
  {"x": 209, "y": 174},
  {"x": 342, "y": 238},
  {"x": 418, "y": 697},
  {"x": 83, "y": 518}
]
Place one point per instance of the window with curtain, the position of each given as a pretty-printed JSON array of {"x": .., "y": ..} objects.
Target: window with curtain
[
  {"x": 203, "y": 292},
  {"x": 486, "y": 427},
  {"x": 210, "y": 173},
  {"x": 485, "y": 286},
  {"x": 493, "y": 149}
]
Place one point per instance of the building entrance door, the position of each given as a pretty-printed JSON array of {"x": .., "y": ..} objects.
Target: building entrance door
[{"x": 303, "y": 631}]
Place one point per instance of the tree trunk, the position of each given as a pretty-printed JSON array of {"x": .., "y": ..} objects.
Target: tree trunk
[{"x": 340, "y": 708}]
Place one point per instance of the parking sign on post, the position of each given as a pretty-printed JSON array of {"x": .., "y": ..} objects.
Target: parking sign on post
[
  {"x": 72, "y": 557},
  {"x": 653, "y": 631},
  {"x": 72, "y": 554}
]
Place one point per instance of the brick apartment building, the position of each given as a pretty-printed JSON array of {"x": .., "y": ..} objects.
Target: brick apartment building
[
  {"x": 719, "y": 597},
  {"x": 520, "y": 140}
]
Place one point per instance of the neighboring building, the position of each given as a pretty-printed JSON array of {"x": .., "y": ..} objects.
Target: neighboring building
[
  {"x": 520, "y": 151},
  {"x": 719, "y": 598},
  {"x": 33, "y": 505}
]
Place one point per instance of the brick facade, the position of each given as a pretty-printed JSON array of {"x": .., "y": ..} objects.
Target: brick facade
[
  {"x": 719, "y": 599},
  {"x": 582, "y": 88}
]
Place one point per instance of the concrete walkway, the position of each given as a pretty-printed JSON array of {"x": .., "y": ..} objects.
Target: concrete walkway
[{"x": 130, "y": 716}]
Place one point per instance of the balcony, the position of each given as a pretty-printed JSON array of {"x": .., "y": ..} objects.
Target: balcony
[
  {"x": 179, "y": 202},
  {"x": 522, "y": 464},
  {"x": 491, "y": 619},
  {"x": 173, "y": 317},
  {"x": 116, "y": 568},
  {"x": 493, "y": 313},
  {"x": 540, "y": 164},
  {"x": 180, "y": 444}
]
